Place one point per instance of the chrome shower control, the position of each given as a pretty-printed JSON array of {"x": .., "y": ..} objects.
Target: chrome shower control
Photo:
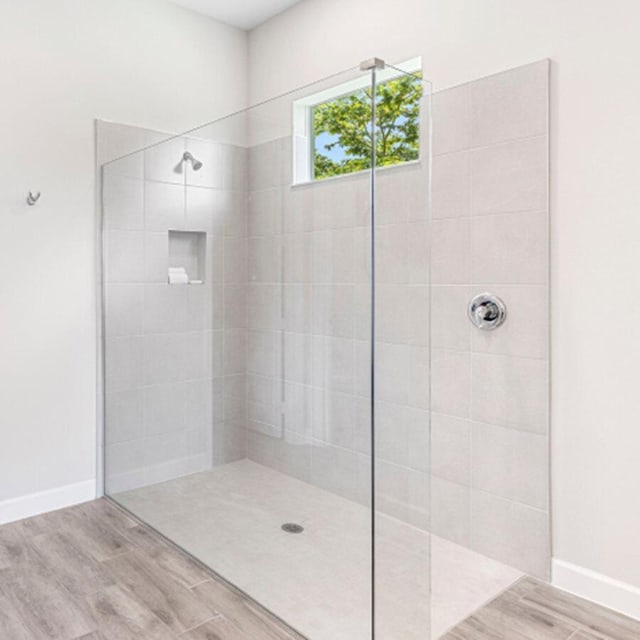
[{"x": 487, "y": 312}]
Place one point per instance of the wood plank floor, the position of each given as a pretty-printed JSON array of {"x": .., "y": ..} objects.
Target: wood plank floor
[
  {"x": 91, "y": 572},
  {"x": 531, "y": 610}
]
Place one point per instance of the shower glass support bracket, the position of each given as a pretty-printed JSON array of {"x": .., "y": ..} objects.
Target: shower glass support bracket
[{"x": 372, "y": 63}]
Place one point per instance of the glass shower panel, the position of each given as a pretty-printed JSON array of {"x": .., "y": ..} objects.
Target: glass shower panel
[
  {"x": 238, "y": 393},
  {"x": 240, "y": 343},
  {"x": 402, "y": 359}
]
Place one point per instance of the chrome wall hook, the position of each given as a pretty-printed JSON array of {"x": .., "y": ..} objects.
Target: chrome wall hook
[{"x": 31, "y": 199}]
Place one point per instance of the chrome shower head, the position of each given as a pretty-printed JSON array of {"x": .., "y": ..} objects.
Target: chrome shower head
[{"x": 196, "y": 165}]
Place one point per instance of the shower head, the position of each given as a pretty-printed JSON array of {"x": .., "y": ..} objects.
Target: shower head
[{"x": 196, "y": 165}]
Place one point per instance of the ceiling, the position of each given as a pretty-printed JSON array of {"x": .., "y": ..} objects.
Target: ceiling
[{"x": 244, "y": 14}]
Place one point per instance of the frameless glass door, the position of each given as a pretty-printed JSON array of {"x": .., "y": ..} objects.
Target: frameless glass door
[{"x": 237, "y": 356}]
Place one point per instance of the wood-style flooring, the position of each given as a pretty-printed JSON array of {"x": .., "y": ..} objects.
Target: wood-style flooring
[
  {"x": 91, "y": 572},
  {"x": 531, "y": 610}
]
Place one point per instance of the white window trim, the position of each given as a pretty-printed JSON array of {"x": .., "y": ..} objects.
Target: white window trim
[{"x": 303, "y": 143}]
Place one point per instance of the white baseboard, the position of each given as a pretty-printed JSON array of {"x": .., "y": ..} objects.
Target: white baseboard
[
  {"x": 34, "y": 504},
  {"x": 597, "y": 587}
]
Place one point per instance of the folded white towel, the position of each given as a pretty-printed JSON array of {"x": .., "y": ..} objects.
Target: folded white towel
[{"x": 176, "y": 277}]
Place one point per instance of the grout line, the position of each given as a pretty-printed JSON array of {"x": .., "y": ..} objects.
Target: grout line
[
  {"x": 494, "y": 495},
  {"x": 493, "y": 145},
  {"x": 469, "y": 412},
  {"x": 513, "y": 427},
  {"x": 218, "y": 616},
  {"x": 504, "y": 426}
]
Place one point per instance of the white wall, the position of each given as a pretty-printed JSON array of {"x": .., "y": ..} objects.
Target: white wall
[
  {"x": 595, "y": 212},
  {"x": 63, "y": 64}
]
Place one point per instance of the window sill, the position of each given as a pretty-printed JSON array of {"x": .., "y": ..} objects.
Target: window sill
[{"x": 357, "y": 174}]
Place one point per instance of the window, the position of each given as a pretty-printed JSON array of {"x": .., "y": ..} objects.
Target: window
[{"x": 334, "y": 128}]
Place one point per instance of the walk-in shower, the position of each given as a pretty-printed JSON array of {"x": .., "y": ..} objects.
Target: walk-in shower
[{"x": 294, "y": 392}]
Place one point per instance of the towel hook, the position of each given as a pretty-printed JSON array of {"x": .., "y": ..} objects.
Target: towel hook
[{"x": 31, "y": 199}]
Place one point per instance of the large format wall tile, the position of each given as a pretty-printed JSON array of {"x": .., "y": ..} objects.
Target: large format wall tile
[
  {"x": 509, "y": 248},
  {"x": 510, "y": 463},
  {"x": 510, "y": 391},
  {"x": 164, "y": 409},
  {"x": 333, "y": 309},
  {"x": 450, "y": 382},
  {"x": 392, "y": 313},
  {"x": 236, "y": 260},
  {"x": 419, "y": 253},
  {"x": 124, "y": 256},
  {"x": 451, "y": 448},
  {"x": 490, "y": 388},
  {"x": 450, "y": 509},
  {"x": 392, "y": 263},
  {"x": 165, "y": 309},
  {"x": 124, "y": 366},
  {"x": 451, "y": 111},
  {"x": 450, "y": 251},
  {"x": 513, "y": 533},
  {"x": 163, "y": 206},
  {"x": 419, "y": 320},
  {"x": 510, "y": 105},
  {"x": 155, "y": 252},
  {"x": 451, "y": 185},
  {"x": 207, "y": 209},
  {"x": 123, "y": 202},
  {"x": 123, "y": 309},
  {"x": 450, "y": 327},
  {"x": 172, "y": 349},
  {"x": 124, "y": 413},
  {"x": 510, "y": 177}
]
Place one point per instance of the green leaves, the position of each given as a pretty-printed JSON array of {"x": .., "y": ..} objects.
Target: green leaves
[{"x": 347, "y": 121}]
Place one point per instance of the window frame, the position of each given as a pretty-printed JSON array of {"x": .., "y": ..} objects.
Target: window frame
[{"x": 303, "y": 134}]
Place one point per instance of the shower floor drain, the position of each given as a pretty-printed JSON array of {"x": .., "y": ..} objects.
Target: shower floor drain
[{"x": 291, "y": 527}]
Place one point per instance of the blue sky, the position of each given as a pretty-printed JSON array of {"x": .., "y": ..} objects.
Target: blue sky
[{"x": 336, "y": 154}]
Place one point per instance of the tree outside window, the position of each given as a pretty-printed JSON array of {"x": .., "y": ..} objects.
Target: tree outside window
[{"x": 342, "y": 128}]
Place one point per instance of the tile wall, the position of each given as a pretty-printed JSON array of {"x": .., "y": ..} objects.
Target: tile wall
[
  {"x": 308, "y": 390},
  {"x": 490, "y": 404},
  {"x": 308, "y": 374},
  {"x": 270, "y": 359},
  {"x": 174, "y": 354}
]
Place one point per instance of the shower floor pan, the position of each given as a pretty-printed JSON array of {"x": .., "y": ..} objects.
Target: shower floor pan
[{"x": 318, "y": 580}]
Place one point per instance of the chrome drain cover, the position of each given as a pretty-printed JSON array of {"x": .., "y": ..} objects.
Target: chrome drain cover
[{"x": 291, "y": 527}]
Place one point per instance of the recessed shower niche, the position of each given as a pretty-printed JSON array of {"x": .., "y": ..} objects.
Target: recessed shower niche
[{"x": 187, "y": 257}]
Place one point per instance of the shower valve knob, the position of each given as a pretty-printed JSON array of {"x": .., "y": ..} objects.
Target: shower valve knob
[{"x": 487, "y": 312}]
